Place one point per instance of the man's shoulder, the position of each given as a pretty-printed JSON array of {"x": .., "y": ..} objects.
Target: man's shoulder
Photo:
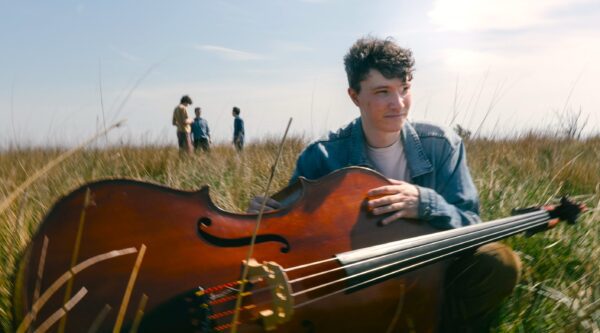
[
  {"x": 341, "y": 134},
  {"x": 430, "y": 131},
  {"x": 331, "y": 142}
]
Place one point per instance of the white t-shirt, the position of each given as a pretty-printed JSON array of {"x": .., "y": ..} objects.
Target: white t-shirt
[{"x": 390, "y": 161}]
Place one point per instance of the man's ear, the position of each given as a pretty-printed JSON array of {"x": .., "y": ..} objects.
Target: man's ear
[{"x": 353, "y": 96}]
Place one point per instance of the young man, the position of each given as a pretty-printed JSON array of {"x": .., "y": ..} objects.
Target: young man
[
  {"x": 182, "y": 122},
  {"x": 238, "y": 129},
  {"x": 427, "y": 168},
  {"x": 200, "y": 132}
]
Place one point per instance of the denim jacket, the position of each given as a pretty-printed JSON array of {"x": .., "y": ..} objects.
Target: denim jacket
[
  {"x": 436, "y": 160},
  {"x": 200, "y": 129}
]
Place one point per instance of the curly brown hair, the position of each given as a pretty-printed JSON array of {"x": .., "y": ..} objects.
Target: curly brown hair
[
  {"x": 383, "y": 55},
  {"x": 186, "y": 100}
]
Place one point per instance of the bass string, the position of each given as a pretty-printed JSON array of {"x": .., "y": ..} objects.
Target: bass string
[
  {"x": 517, "y": 219},
  {"x": 497, "y": 236},
  {"x": 367, "y": 260},
  {"x": 389, "y": 274},
  {"x": 486, "y": 238},
  {"x": 230, "y": 310}
]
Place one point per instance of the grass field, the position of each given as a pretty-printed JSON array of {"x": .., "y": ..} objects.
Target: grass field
[{"x": 560, "y": 286}]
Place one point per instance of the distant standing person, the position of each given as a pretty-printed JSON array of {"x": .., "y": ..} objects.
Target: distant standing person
[
  {"x": 238, "y": 129},
  {"x": 200, "y": 132},
  {"x": 182, "y": 121}
]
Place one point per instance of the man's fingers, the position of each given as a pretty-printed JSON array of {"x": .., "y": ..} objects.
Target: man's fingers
[
  {"x": 392, "y": 218},
  {"x": 257, "y": 203},
  {"x": 273, "y": 203},
  {"x": 388, "y": 208},
  {"x": 387, "y": 200},
  {"x": 397, "y": 182},
  {"x": 388, "y": 189}
]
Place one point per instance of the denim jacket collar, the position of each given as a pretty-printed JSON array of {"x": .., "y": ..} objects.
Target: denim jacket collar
[
  {"x": 358, "y": 150},
  {"x": 417, "y": 161}
]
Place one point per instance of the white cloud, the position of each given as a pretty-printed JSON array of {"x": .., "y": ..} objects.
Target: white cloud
[
  {"x": 526, "y": 80},
  {"x": 125, "y": 55},
  {"x": 527, "y": 52},
  {"x": 292, "y": 47},
  {"x": 228, "y": 53},
  {"x": 481, "y": 15},
  {"x": 469, "y": 59}
]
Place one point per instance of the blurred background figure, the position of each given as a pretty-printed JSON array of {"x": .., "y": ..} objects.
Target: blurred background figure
[
  {"x": 200, "y": 131},
  {"x": 182, "y": 121},
  {"x": 238, "y": 129}
]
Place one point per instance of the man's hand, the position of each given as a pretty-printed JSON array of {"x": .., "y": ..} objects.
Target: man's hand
[
  {"x": 257, "y": 201},
  {"x": 401, "y": 198}
]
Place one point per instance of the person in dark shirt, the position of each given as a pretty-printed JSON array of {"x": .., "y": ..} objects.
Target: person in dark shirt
[
  {"x": 238, "y": 129},
  {"x": 200, "y": 132}
]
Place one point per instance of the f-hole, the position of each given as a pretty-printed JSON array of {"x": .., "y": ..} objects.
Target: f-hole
[
  {"x": 203, "y": 227},
  {"x": 205, "y": 221}
]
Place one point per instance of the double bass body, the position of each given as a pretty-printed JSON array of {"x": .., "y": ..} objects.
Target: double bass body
[{"x": 193, "y": 245}]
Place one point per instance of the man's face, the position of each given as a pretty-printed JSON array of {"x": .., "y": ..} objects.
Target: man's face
[
  {"x": 383, "y": 103},
  {"x": 197, "y": 112}
]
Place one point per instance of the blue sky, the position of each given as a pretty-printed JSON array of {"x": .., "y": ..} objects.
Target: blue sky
[{"x": 502, "y": 67}]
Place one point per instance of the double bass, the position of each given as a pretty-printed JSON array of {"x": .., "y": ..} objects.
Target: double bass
[{"x": 127, "y": 256}]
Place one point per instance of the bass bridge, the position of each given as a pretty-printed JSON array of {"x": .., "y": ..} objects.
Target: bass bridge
[{"x": 282, "y": 304}]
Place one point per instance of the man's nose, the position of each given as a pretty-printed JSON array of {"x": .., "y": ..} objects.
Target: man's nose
[{"x": 397, "y": 99}]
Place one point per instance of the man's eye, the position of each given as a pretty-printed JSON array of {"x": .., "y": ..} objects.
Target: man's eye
[{"x": 380, "y": 92}]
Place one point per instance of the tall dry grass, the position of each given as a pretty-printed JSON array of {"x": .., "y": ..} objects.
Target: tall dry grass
[{"x": 560, "y": 287}]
